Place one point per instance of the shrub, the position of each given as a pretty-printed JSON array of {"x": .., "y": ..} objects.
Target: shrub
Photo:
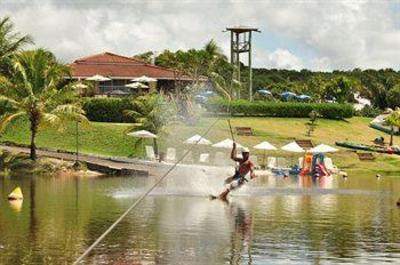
[
  {"x": 107, "y": 109},
  {"x": 368, "y": 111},
  {"x": 280, "y": 109}
]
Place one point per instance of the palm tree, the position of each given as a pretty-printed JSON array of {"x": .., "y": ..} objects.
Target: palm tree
[
  {"x": 393, "y": 120},
  {"x": 10, "y": 43},
  {"x": 213, "y": 49},
  {"x": 151, "y": 113},
  {"x": 37, "y": 91},
  {"x": 221, "y": 86}
]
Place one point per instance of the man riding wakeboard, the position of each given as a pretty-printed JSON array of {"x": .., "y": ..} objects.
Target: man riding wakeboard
[{"x": 238, "y": 179}]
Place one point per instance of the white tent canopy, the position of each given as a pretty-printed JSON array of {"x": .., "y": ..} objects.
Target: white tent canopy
[
  {"x": 144, "y": 79},
  {"x": 98, "y": 78},
  {"x": 197, "y": 139},
  {"x": 136, "y": 85},
  {"x": 323, "y": 148},
  {"x": 227, "y": 143},
  {"x": 264, "y": 146},
  {"x": 293, "y": 147},
  {"x": 143, "y": 134}
]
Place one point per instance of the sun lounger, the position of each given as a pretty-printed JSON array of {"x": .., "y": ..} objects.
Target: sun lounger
[
  {"x": 271, "y": 162},
  {"x": 171, "y": 154},
  {"x": 301, "y": 161},
  {"x": 329, "y": 165},
  {"x": 150, "y": 152},
  {"x": 254, "y": 159},
  {"x": 204, "y": 158},
  {"x": 189, "y": 157}
]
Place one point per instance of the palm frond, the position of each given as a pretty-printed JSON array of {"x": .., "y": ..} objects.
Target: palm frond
[
  {"x": 8, "y": 117},
  {"x": 9, "y": 101}
]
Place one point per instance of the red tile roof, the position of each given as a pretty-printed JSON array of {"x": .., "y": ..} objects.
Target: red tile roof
[{"x": 118, "y": 67}]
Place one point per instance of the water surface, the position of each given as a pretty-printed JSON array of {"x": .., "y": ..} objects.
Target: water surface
[{"x": 271, "y": 221}]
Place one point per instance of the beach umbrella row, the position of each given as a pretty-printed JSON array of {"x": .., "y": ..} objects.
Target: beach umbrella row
[{"x": 292, "y": 147}]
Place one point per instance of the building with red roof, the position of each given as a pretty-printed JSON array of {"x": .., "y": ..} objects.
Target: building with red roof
[{"x": 121, "y": 70}]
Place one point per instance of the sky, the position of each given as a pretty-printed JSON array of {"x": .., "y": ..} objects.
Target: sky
[{"x": 322, "y": 35}]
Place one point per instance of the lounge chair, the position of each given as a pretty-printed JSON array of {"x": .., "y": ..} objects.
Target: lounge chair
[
  {"x": 271, "y": 162},
  {"x": 189, "y": 157},
  {"x": 329, "y": 165},
  {"x": 254, "y": 159},
  {"x": 171, "y": 154},
  {"x": 150, "y": 152},
  {"x": 301, "y": 161},
  {"x": 204, "y": 158}
]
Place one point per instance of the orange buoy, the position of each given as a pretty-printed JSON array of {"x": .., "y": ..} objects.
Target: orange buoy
[{"x": 16, "y": 194}]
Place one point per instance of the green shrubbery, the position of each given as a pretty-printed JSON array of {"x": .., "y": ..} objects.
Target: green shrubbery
[
  {"x": 107, "y": 109},
  {"x": 368, "y": 111},
  {"x": 280, "y": 109}
]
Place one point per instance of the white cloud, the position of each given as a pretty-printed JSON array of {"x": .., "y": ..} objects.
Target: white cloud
[
  {"x": 280, "y": 59},
  {"x": 339, "y": 34}
]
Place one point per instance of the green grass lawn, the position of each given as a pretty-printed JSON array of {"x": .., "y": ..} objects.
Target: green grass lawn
[{"x": 110, "y": 138}]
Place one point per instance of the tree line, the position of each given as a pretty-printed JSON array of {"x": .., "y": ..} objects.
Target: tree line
[{"x": 381, "y": 87}]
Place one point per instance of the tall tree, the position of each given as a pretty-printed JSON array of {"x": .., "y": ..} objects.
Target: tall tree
[
  {"x": 37, "y": 91},
  {"x": 340, "y": 88},
  {"x": 146, "y": 57},
  {"x": 393, "y": 97},
  {"x": 393, "y": 120},
  {"x": 10, "y": 43},
  {"x": 151, "y": 113}
]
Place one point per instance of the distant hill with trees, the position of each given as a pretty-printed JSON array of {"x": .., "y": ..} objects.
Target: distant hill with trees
[{"x": 381, "y": 86}]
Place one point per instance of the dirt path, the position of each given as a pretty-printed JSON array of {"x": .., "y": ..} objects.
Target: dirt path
[{"x": 98, "y": 163}]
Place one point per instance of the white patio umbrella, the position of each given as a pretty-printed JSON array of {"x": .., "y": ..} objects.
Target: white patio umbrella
[
  {"x": 143, "y": 134},
  {"x": 197, "y": 139},
  {"x": 98, "y": 78},
  {"x": 144, "y": 78},
  {"x": 227, "y": 143},
  {"x": 323, "y": 148},
  {"x": 136, "y": 85},
  {"x": 264, "y": 146},
  {"x": 293, "y": 147}
]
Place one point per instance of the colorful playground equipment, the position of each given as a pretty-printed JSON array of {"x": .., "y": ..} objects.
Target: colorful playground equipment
[{"x": 314, "y": 165}]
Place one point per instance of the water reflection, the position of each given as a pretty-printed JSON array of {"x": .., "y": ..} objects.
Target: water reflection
[
  {"x": 298, "y": 220},
  {"x": 241, "y": 234}
]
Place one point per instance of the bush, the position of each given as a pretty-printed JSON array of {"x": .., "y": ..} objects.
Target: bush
[
  {"x": 368, "y": 111},
  {"x": 280, "y": 109},
  {"x": 393, "y": 96},
  {"x": 107, "y": 109}
]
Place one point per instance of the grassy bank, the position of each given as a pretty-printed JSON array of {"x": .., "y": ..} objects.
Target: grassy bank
[{"x": 110, "y": 139}]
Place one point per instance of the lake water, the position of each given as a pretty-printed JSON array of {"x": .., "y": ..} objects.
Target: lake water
[{"x": 272, "y": 221}]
